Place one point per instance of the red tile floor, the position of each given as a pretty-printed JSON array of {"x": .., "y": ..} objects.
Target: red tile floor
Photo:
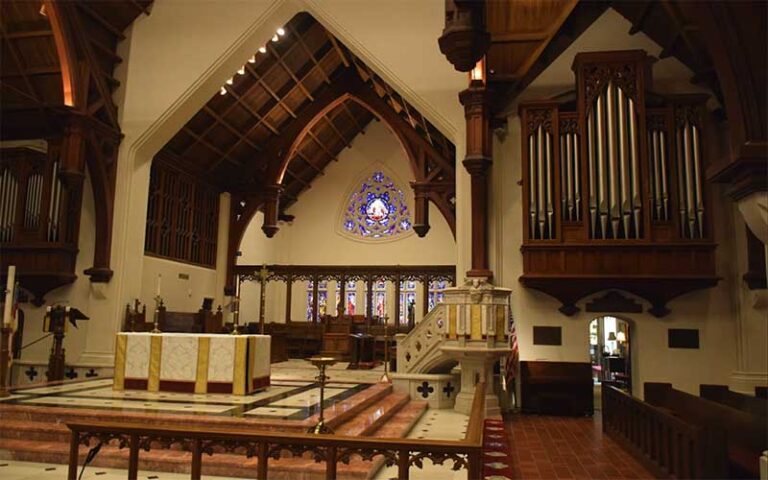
[{"x": 545, "y": 447}]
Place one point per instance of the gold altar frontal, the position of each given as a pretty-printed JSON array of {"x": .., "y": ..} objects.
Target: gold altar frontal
[{"x": 192, "y": 363}]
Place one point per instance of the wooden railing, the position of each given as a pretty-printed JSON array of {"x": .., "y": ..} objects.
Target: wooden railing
[
  {"x": 332, "y": 449},
  {"x": 667, "y": 444}
]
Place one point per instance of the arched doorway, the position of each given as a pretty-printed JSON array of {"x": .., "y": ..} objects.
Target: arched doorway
[{"x": 609, "y": 351}]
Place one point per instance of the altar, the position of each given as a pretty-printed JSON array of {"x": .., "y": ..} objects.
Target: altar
[{"x": 192, "y": 363}]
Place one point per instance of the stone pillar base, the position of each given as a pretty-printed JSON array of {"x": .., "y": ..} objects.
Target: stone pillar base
[
  {"x": 473, "y": 369},
  {"x": 745, "y": 382}
]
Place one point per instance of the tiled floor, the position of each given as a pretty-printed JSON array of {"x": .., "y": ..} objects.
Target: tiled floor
[
  {"x": 545, "y": 447},
  {"x": 434, "y": 425},
  {"x": 293, "y": 395},
  {"x": 12, "y": 470}
]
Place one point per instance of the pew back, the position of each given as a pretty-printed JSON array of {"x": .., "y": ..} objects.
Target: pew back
[
  {"x": 745, "y": 434},
  {"x": 746, "y": 403}
]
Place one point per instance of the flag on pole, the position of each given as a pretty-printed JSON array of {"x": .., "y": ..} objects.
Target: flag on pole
[{"x": 512, "y": 362}]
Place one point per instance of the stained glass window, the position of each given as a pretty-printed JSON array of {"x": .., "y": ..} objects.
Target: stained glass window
[
  {"x": 407, "y": 300},
  {"x": 379, "y": 297},
  {"x": 377, "y": 209},
  {"x": 435, "y": 292},
  {"x": 350, "y": 292},
  {"x": 322, "y": 298}
]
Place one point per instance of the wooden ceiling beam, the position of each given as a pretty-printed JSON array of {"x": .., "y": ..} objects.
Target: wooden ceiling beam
[
  {"x": 100, "y": 20},
  {"x": 300, "y": 154},
  {"x": 210, "y": 146},
  {"x": 322, "y": 145},
  {"x": 229, "y": 127},
  {"x": 333, "y": 126},
  {"x": 250, "y": 109},
  {"x": 290, "y": 72},
  {"x": 34, "y": 71},
  {"x": 296, "y": 177},
  {"x": 270, "y": 91},
  {"x": 114, "y": 58},
  {"x": 309, "y": 54},
  {"x": 337, "y": 48},
  {"x": 639, "y": 22},
  {"x": 28, "y": 34},
  {"x": 348, "y": 111},
  {"x": 139, "y": 7}
]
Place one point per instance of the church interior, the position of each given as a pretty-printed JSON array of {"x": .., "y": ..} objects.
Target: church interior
[{"x": 357, "y": 239}]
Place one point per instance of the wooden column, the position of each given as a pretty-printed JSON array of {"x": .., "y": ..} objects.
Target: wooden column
[
  {"x": 478, "y": 162},
  {"x": 421, "y": 208},
  {"x": 271, "y": 204},
  {"x": 288, "y": 297},
  {"x": 315, "y": 312},
  {"x": 368, "y": 301},
  {"x": 341, "y": 307},
  {"x": 397, "y": 300}
]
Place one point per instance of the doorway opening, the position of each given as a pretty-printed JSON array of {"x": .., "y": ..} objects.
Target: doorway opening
[{"x": 609, "y": 352}]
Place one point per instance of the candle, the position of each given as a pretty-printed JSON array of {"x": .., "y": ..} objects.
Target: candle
[
  {"x": 159, "y": 278},
  {"x": 9, "y": 295}
]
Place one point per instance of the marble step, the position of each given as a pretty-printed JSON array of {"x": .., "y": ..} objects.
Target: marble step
[
  {"x": 395, "y": 424},
  {"x": 335, "y": 415},
  {"x": 372, "y": 417}
]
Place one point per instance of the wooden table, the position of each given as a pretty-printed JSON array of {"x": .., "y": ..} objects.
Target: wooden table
[{"x": 192, "y": 362}]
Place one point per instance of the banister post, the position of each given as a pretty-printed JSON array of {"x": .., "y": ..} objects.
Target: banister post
[
  {"x": 261, "y": 467},
  {"x": 74, "y": 442},
  {"x": 133, "y": 457},
  {"x": 330, "y": 463},
  {"x": 197, "y": 459},
  {"x": 403, "y": 463}
]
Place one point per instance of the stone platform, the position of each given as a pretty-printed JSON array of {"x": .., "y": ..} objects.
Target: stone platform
[{"x": 32, "y": 422}]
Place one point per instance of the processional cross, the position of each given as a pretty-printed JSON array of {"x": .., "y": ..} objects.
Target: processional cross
[{"x": 263, "y": 276}]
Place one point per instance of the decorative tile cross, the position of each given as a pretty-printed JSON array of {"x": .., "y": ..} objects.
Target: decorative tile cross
[
  {"x": 92, "y": 373},
  {"x": 31, "y": 373},
  {"x": 71, "y": 374},
  {"x": 448, "y": 389},
  {"x": 424, "y": 389}
]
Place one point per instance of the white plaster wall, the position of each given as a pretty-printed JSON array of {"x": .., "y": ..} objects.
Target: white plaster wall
[
  {"x": 313, "y": 238},
  {"x": 712, "y": 311}
]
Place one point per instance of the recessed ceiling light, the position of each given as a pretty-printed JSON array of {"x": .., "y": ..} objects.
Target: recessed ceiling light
[
  {"x": 263, "y": 50},
  {"x": 230, "y": 81},
  {"x": 275, "y": 38},
  {"x": 223, "y": 91},
  {"x": 241, "y": 71},
  {"x": 252, "y": 59},
  {"x": 281, "y": 31}
]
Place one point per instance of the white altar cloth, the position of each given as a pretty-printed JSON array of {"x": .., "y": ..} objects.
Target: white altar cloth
[{"x": 192, "y": 362}]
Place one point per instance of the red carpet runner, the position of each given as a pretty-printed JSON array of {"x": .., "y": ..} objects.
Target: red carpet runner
[{"x": 497, "y": 462}]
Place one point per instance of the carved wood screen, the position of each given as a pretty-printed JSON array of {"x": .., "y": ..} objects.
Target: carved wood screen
[
  {"x": 613, "y": 187},
  {"x": 182, "y": 217}
]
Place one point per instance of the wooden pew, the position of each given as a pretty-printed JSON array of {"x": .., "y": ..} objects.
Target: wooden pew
[
  {"x": 558, "y": 388},
  {"x": 745, "y": 434},
  {"x": 746, "y": 403},
  {"x": 666, "y": 444}
]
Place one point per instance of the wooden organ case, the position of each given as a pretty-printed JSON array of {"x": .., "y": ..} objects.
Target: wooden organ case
[{"x": 614, "y": 193}]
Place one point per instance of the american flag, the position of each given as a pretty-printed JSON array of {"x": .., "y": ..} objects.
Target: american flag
[{"x": 512, "y": 363}]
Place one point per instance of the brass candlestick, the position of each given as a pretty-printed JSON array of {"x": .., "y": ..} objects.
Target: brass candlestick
[
  {"x": 321, "y": 363},
  {"x": 158, "y": 306},
  {"x": 236, "y": 308},
  {"x": 385, "y": 378}
]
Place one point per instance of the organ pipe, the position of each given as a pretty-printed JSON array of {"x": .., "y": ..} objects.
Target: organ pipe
[{"x": 618, "y": 185}]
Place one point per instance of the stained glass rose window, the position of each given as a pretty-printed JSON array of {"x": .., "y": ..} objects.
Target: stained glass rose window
[{"x": 377, "y": 209}]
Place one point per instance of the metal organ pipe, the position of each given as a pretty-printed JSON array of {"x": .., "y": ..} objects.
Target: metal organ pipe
[
  {"x": 624, "y": 166},
  {"x": 531, "y": 187},
  {"x": 663, "y": 162},
  {"x": 539, "y": 184},
  {"x": 689, "y": 187},
  {"x": 602, "y": 178},
  {"x": 635, "y": 172},
  {"x": 590, "y": 161},
  {"x": 54, "y": 205},
  {"x": 9, "y": 189},
  {"x": 697, "y": 172},
  {"x": 613, "y": 161},
  {"x": 548, "y": 186}
]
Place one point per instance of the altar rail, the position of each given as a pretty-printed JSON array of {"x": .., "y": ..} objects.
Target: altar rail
[
  {"x": 670, "y": 446},
  {"x": 265, "y": 445}
]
